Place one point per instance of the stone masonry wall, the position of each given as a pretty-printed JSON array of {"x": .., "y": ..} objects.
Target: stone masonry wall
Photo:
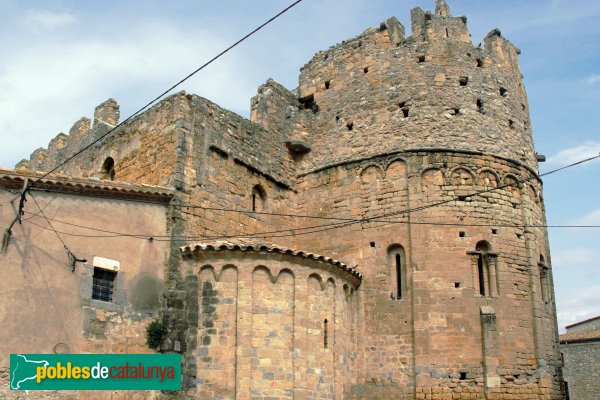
[
  {"x": 430, "y": 340},
  {"x": 457, "y": 299},
  {"x": 272, "y": 327},
  {"x": 582, "y": 360},
  {"x": 381, "y": 92}
]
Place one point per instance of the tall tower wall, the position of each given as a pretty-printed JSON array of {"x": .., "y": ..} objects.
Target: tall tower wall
[{"x": 380, "y": 92}]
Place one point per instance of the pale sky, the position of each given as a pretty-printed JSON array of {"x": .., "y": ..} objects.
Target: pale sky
[{"x": 60, "y": 59}]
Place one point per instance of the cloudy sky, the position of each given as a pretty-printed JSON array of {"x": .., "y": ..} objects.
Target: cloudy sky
[{"x": 61, "y": 58}]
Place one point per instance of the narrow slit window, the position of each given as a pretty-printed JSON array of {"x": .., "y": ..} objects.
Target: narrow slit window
[
  {"x": 325, "y": 334},
  {"x": 485, "y": 270},
  {"x": 366, "y": 70},
  {"x": 259, "y": 198},
  {"x": 350, "y": 126},
  {"x": 398, "y": 260},
  {"x": 481, "y": 274},
  {"x": 544, "y": 287},
  {"x": 405, "y": 111},
  {"x": 327, "y": 84},
  {"x": 397, "y": 272}
]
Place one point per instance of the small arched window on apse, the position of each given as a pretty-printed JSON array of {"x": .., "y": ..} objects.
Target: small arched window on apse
[
  {"x": 485, "y": 269},
  {"x": 397, "y": 272},
  {"x": 544, "y": 287},
  {"x": 108, "y": 169},
  {"x": 259, "y": 198}
]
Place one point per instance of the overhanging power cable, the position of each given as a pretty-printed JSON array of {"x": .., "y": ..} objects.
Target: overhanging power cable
[
  {"x": 323, "y": 227},
  {"x": 160, "y": 96}
]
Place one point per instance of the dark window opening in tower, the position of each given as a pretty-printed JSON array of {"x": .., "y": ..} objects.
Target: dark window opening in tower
[
  {"x": 486, "y": 270},
  {"x": 464, "y": 80},
  {"x": 479, "y": 63},
  {"x": 327, "y": 84},
  {"x": 108, "y": 169},
  {"x": 480, "y": 106},
  {"x": 421, "y": 59},
  {"x": 350, "y": 126},
  {"x": 308, "y": 103},
  {"x": 544, "y": 286},
  {"x": 481, "y": 273},
  {"x": 405, "y": 111},
  {"x": 325, "y": 334},
  {"x": 398, "y": 276},
  {"x": 503, "y": 92},
  {"x": 447, "y": 33},
  {"x": 366, "y": 69},
  {"x": 259, "y": 198}
]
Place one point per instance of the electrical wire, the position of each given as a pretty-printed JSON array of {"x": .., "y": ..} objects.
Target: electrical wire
[
  {"x": 49, "y": 223},
  {"x": 206, "y": 64},
  {"x": 318, "y": 228},
  {"x": 357, "y": 220}
]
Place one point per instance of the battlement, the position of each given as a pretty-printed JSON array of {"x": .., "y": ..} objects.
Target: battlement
[{"x": 382, "y": 91}]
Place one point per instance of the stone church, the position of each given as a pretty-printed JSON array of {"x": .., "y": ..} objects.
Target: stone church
[{"x": 375, "y": 233}]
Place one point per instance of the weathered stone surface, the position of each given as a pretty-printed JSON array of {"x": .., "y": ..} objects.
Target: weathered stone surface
[{"x": 403, "y": 132}]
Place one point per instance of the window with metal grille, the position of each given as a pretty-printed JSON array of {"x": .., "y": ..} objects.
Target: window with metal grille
[{"x": 102, "y": 287}]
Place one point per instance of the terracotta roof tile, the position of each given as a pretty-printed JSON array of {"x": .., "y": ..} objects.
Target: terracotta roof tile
[
  {"x": 222, "y": 246},
  {"x": 13, "y": 179},
  {"x": 575, "y": 337}
]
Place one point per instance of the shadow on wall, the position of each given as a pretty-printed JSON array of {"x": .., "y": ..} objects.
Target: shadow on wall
[{"x": 144, "y": 293}]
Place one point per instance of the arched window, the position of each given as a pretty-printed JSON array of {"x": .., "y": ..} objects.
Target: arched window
[
  {"x": 108, "y": 169},
  {"x": 397, "y": 268},
  {"x": 485, "y": 270},
  {"x": 544, "y": 287},
  {"x": 259, "y": 198}
]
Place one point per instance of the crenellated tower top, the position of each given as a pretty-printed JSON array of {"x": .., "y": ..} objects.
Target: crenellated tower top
[{"x": 381, "y": 92}]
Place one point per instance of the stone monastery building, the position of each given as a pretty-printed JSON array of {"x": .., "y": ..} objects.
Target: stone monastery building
[{"x": 427, "y": 275}]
